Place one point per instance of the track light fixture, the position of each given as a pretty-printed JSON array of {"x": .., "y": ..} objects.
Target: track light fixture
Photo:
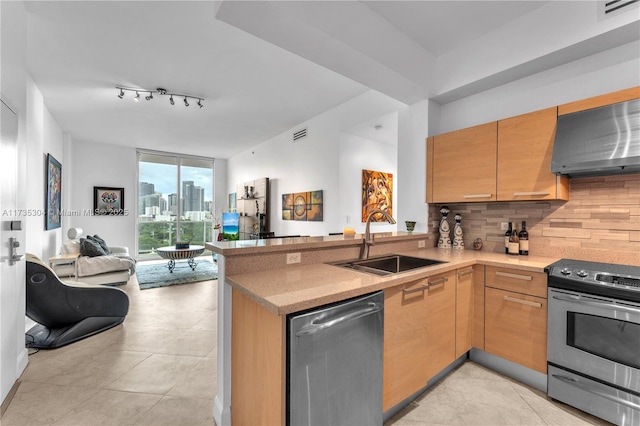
[{"x": 159, "y": 91}]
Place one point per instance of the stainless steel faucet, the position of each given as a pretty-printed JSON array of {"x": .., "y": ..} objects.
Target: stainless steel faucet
[{"x": 368, "y": 241}]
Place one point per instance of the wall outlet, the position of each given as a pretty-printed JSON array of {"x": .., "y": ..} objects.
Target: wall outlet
[
  {"x": 504, "y": 226},
  {"x": 293, "y": 258},
  {"x": 421, "y": 243}
]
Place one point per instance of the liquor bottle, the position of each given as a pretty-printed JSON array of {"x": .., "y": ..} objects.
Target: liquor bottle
[
  {"x": 506, "y": 239},
  {"x": 523, "y": 236},
  {"x": 514, "y": 241}
]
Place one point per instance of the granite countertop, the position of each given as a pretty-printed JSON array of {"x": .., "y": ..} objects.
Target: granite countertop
[{"x": 300, "y": 287}]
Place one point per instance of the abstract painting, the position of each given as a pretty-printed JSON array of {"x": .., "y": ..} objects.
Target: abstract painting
[
  {"x": 108, "y": 201},
  {"x": 377, "y": 193},
  {"x": 54, "y": 193},
  {"x": 303, "y": 206}
]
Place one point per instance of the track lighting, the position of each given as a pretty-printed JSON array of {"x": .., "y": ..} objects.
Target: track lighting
[{"x": 159, "y": 91}]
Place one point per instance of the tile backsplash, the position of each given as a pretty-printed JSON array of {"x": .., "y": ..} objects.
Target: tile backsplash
[{"x": 601, "y": 222}]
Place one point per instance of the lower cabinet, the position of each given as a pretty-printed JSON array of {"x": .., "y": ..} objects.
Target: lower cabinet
[
  {"x": 464, "y": 310},
  {"x": 516, "y": 317},
  {"x": 419, "y": 334}
]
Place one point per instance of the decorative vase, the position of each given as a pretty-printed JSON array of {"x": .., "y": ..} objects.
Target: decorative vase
[
  {"x": 444, "y": 241},
  {"x": 410, "y": 224},
  {"x": 458, "y": 242},
  {"x": 477, "y": 244}
]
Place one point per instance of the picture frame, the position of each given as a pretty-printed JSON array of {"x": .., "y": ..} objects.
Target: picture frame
[
  {"x": 108, "y": 201},
  {"x": 54, "y": 194}
]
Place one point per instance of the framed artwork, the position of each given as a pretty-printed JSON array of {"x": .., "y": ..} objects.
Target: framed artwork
[
  {"x": 230, "y": 226},
  {"x": 303, "y": 206},
  {"x": 232, "y": 202},
  {"x": 108, "y": 201},
  {"x": 377, "y": 193},
  {"x": 54, "y": 193}
]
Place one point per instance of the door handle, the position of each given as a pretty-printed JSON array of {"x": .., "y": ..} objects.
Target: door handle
[
  {"x": 13, "y": 246},
  {"x": 317, "y": 325}
]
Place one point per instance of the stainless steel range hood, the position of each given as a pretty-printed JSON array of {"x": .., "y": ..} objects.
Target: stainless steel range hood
[{"x": 599, "y": 141}]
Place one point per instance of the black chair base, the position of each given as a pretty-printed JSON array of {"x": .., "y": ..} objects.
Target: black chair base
[{"x": 42, "y": 337}]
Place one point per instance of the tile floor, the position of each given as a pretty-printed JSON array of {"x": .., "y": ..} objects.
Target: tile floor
[{"x": 159, "y": 368}]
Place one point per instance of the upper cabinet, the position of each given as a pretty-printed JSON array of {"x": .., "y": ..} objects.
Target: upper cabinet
[
  {"x": 525, "y": 145},
  {"x": 598, "y": 101},
  {"x": 506, "y": 160},
  {"x": 463, "y": 165}
]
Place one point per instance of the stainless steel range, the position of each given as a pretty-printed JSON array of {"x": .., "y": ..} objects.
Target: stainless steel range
[{"x": 594, "y": 338}]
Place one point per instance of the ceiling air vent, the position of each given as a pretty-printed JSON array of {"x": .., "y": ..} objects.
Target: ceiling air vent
[
  {"x": 612, "y": 7},
  {"x": 300, "y": 134}
]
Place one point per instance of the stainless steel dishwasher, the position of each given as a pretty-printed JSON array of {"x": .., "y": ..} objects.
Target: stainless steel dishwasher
[{"x": 334, "y": 374}]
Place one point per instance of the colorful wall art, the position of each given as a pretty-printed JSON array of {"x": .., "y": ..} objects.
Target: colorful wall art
[
  {"x": 230, "y": 226},
  {"x": 54, "y": 193},
  {"x": 377, "y": 193},
  {"x": 304, "y": 206},
  {"x": 108, "y": 201}
]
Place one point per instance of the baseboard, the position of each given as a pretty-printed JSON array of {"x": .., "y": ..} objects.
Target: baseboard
[
  {"x": 511, "y": 369},
  {"x": 7, "y": 400}
]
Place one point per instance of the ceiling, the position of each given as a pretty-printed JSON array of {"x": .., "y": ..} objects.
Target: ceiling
[{"x": 254, "y": 89}]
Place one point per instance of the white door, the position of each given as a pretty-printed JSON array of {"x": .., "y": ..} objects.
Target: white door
[{"x": 12, "y": 272}]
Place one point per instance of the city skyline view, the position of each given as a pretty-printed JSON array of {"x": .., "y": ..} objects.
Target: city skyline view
[{"x": 164, "y": 177}]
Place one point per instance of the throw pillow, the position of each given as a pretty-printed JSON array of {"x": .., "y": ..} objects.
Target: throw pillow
[
  {"x": 100, "y": 241},
  {"x": 90, "y": 248}
]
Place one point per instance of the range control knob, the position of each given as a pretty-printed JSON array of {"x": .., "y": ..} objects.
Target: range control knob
[
  {"x": 582, "y": 273},
  {"x": 565, "y": 271}
]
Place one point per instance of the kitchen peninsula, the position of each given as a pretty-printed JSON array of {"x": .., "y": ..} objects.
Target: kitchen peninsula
[{"x": 257, "y": 289}]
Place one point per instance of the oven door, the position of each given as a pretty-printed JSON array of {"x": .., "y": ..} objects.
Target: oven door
[{"x": 595, "y": 336}]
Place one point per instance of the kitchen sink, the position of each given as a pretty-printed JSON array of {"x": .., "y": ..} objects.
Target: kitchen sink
[{"x": 389, "y": 264}]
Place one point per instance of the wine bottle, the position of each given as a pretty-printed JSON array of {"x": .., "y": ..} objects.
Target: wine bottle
[
  {"x": 514, "y": 242},
  {"x": 506, "y": 239},
  {"x": 523, "y": 237}
]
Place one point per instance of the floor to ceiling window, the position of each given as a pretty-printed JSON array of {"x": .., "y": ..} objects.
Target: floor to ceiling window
[{"x": 175, "y": 194}]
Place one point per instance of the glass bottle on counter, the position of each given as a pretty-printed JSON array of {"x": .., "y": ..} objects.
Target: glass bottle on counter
[
  {"x": 514, "y": 241},
  {"x": 523, "y": 237},
  {"x": 506, "y": 239}
]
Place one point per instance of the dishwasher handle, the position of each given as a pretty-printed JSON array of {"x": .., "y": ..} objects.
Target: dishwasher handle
[{"x": 316, "y": 325}]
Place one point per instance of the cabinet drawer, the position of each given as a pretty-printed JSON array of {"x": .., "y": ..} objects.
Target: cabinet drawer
[
  {"x": 516, "y": 328},
  {"x": 526, "y": 282}
]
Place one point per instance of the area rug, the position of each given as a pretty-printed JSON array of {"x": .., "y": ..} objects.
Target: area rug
[{"x": 154, "y": 275}]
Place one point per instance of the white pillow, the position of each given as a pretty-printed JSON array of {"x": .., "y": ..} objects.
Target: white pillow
[{"x": 71, "y": 247}]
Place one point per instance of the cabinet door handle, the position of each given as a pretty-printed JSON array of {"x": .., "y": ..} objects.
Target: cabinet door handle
[
  {"x": 464, "y": 273},
  {"x": 523, "y": 302},
  {"x": 415, "y": 290},
  {"x": 437, "y": 282},
  {"x": 542, "y": 193},
  {"x": 476, "y": 196},
  {"x": 514, "y": 276}
]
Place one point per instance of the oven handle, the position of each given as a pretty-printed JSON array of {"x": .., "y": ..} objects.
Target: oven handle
[
  {"x": 596, "y": 304},
  {"x": 587, "y": 388}
]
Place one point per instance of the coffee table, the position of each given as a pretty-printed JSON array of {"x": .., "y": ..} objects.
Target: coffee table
[{"x": 173, "y": 254}]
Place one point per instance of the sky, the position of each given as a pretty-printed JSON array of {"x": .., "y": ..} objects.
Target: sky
[{"x": 164, "y": 177}]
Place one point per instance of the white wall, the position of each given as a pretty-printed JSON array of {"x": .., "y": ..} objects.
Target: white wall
[
  {"x": 318, "y": 162},
  {"x": 605, "y": 72},
  {"x": 102, "y": 165},
  {"x": 44, "y": 136}
]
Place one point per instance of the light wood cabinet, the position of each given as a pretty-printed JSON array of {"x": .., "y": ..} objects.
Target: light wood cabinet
[
  {"x": 598, "y": 101},
  {"x": 441, "y": 323},
  {"x": 525, "y": 145},
  {"x": 464, "y": 310},
  {"x": 258, "y": 370},
  {"x": 405, "y": 341},
  {"x": 516, "y": 316},
  {"x": 464, "y": 165},
  {"x": 419, "y": 334},
  {"x": 478, "y": 306}
]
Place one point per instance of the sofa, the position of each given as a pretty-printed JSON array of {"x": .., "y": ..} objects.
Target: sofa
[{"x": 110, "y": 266}]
